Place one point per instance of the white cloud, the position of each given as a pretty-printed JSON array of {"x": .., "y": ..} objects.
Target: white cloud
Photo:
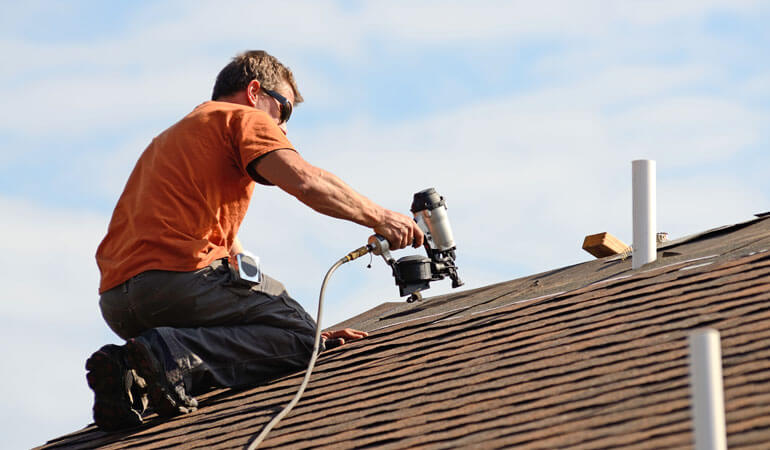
[
  {"x": 88, "y": 104},
  {"x": 49, "y": 272},
  {"x": 700, "y": 202},
  {"x": 44, "y": 391},
  {"x": 158, "y": 65},
  {"x": 687, "y": 130},
  {"x": 757, "y": 87},
  {"x": 449, "y": 21}
]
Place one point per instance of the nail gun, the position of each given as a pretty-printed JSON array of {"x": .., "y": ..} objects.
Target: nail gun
[{"x": 414, "y": 273}]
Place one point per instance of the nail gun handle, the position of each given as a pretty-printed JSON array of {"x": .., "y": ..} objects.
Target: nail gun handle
[
  {"x": 378, "y": 244},
  {"x": 380, "y": 247}
]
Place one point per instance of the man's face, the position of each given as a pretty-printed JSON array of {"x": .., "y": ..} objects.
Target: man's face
[{"x": 270, "y": 105}]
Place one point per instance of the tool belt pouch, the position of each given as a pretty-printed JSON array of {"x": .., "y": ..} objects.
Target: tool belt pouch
[{"x": 247, "y": 270}]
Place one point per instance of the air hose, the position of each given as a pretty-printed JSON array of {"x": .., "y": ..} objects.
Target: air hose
[{"x": 359, "y": 252}]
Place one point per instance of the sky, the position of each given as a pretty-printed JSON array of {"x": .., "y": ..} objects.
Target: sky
[{"x": 524, "y": 115}]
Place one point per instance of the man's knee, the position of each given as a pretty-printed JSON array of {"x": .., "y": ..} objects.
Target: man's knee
[{"x": 302, "y": 358}]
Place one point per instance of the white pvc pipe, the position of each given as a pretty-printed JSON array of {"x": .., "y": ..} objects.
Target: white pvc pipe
[
  {"x": 644, "y": 216},
  {"x": 708, "y": 409}
]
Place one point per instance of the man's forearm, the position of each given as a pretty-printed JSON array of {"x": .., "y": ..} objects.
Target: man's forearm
[
  {"x": 318, "y": 188},
  {"x": 328, "y": 194}
]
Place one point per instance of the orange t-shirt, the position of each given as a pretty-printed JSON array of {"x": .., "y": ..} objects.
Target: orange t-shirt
[{"x": 188, "y": 194}]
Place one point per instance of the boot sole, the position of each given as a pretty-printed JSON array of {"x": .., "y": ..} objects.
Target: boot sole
[
  {"x": 112, "y": 403},
  {"x": 164, "y": 399}
]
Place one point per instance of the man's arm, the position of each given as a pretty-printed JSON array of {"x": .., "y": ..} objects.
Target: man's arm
[{"x": 327, "y": 194}]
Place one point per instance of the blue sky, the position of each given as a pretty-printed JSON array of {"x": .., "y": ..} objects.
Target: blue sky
[{"x": 524, "y": 116}]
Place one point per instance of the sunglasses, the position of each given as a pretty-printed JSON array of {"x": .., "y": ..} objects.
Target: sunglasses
[{"x": 285, "y": 104}]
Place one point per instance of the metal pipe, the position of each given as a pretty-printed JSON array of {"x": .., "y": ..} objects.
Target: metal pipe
[
  {"x": 644, "y": 212},
  {"x": 708, "y": 409}
]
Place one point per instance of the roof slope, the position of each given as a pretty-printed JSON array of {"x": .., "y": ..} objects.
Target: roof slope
[{"x": 592, "y": 355}]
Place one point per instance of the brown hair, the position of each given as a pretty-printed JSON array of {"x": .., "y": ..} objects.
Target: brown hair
[{"x": 254, "y": 65}]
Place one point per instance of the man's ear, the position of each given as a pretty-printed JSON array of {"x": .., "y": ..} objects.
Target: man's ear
[{"x": 251, "y": 91}]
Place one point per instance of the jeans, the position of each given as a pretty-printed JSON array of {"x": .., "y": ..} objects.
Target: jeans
[{"x": 210, "y": 331}]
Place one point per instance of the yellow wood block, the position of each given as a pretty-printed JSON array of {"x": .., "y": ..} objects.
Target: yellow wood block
[{"x": 604, "y": 244}]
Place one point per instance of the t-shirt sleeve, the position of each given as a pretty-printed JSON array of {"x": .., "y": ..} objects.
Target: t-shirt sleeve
[{"x": 255, "y": 134}]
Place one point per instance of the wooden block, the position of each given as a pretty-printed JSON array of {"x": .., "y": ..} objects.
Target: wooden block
[{"x": 604, "y": 244}]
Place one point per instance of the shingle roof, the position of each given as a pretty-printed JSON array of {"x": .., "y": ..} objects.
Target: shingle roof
[{"x": 590, "y": 356}]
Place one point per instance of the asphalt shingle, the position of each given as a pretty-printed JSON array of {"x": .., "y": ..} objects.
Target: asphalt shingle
[{"x": 590, "y": 356}]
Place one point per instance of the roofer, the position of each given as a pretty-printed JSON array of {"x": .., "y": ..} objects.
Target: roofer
[{"x": 167, "y": 286}]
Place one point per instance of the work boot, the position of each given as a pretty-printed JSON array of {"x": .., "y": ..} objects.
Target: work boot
[
  {"x": 118, "y": 399},
  {"x": 166, "y": 399}
]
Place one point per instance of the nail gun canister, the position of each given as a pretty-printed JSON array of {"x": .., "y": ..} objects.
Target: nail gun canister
[
  {"x": 415, "y": 270},
  {"x": 429, "y": 209}
]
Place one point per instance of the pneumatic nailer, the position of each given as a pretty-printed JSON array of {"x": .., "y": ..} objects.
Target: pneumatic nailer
[{"x": 414, "y": 273}]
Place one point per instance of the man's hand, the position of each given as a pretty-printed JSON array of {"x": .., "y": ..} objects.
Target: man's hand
[
  {"x": 400, "y": 230},
  {"x": 342, "y": 335}
]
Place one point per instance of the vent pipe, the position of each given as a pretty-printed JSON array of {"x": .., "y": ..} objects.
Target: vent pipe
[
  {"x": 644, "y": 217},
  {"x": 708, "y": 406}
]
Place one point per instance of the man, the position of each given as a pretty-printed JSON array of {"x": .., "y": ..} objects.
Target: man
[{"x": 167, "y": 283}]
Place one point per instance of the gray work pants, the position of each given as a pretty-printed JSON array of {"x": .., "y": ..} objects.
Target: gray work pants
[{"x": 209, "y": 331}]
